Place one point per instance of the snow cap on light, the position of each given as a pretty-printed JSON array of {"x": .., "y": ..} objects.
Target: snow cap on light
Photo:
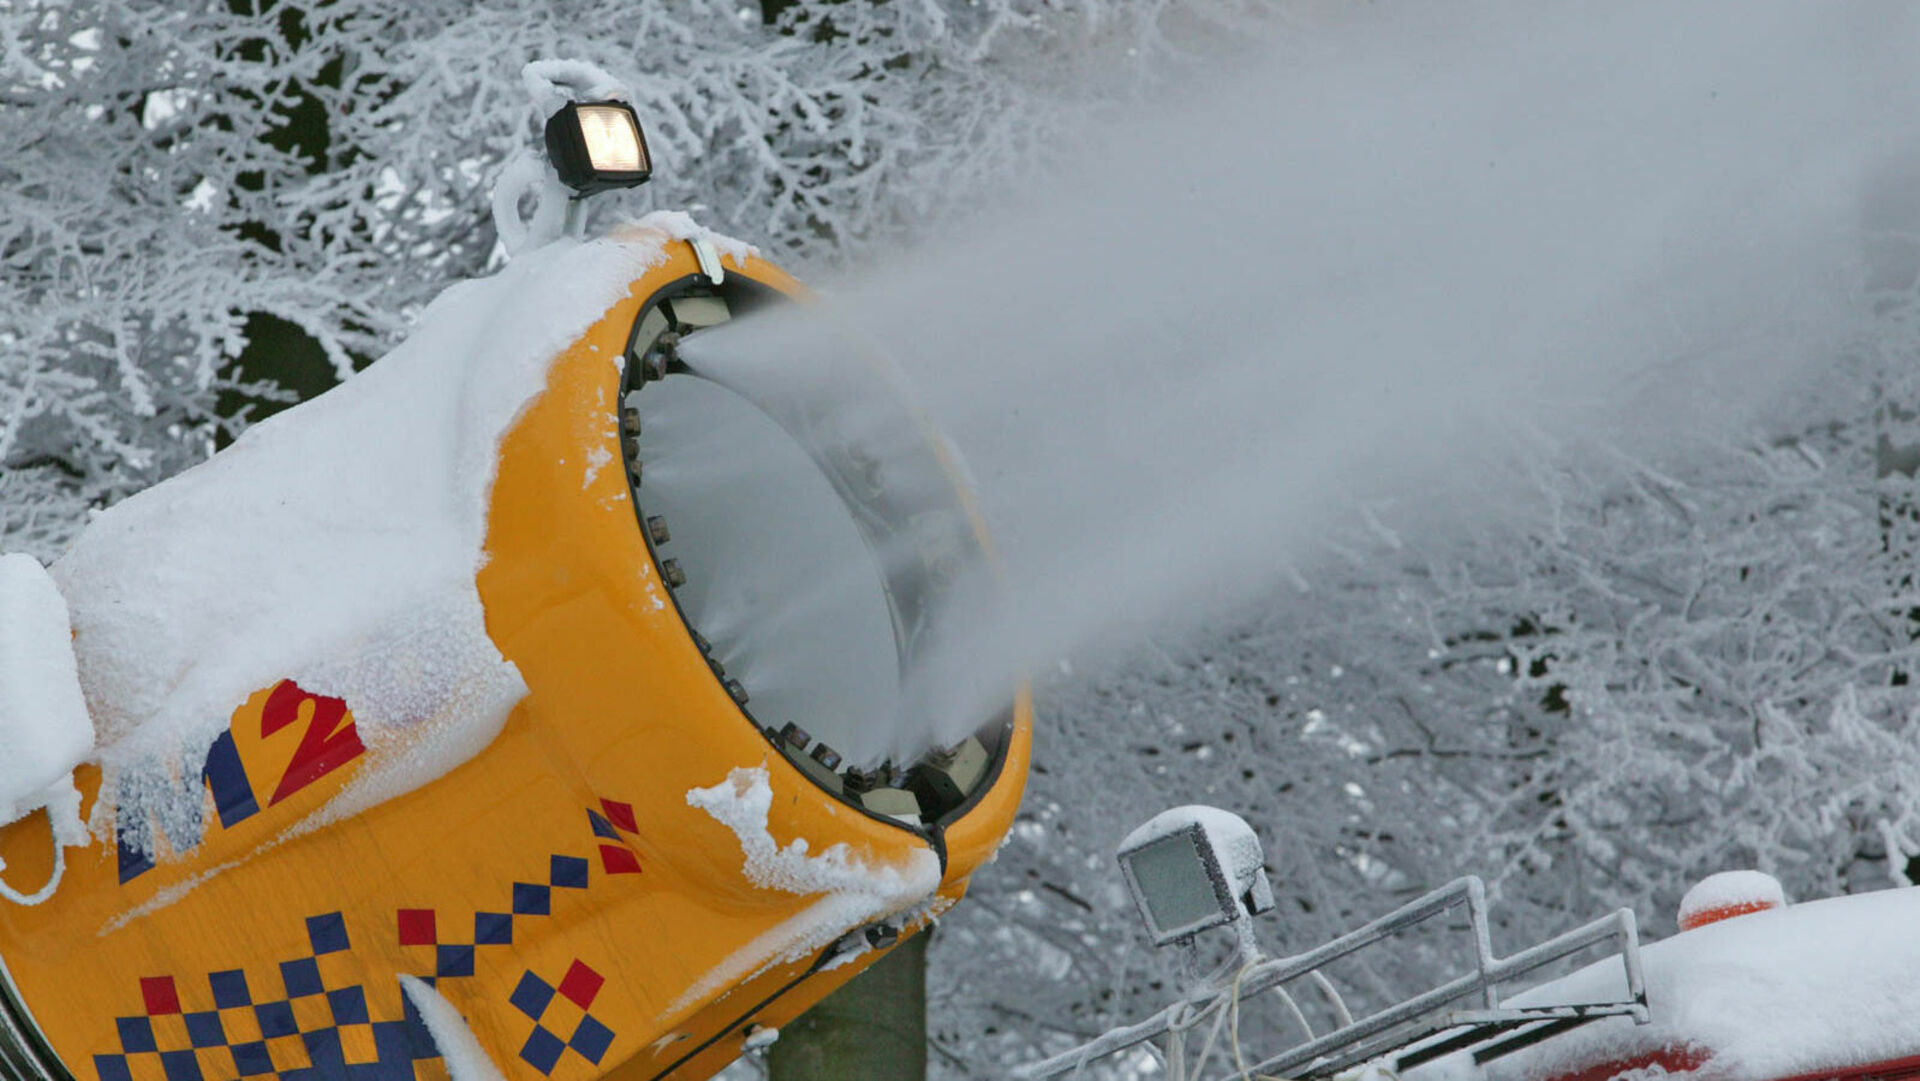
[
  {"x": 553, "y": 83},
  {"x": 1729, "y": 894},
  {"x": 1183, "y": 887}
]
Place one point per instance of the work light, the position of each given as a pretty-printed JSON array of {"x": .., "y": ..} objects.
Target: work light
[
  {"x": 598, "y": 146},
  {"x": 1192, "y": 868}
]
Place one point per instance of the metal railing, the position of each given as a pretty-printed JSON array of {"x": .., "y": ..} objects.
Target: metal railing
[{"x": 1423, "y": 1020}]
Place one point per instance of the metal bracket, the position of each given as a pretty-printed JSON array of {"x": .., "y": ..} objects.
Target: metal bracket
[{"x": 708, "y": 258}]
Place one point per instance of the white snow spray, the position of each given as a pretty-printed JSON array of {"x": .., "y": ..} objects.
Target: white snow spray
[{"x": 1419, "y": 241}]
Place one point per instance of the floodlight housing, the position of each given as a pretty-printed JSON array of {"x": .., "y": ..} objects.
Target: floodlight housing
[
  {"x": 598, "y": 146},
  {"x": 1194, "y": 868}
]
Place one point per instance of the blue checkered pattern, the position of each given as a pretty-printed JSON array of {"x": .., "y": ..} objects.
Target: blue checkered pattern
[
  {"x": 454, "y": 957},
  {"x": 310, "y": 1031},
  {"x": 307, "y": 1032},
  {"x": 543, "y": 1049}
]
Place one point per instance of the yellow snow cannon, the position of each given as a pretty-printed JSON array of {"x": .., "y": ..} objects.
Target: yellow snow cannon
[{"x": 650, "y": 862}]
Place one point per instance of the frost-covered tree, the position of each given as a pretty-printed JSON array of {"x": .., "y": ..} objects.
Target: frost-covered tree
[{"x": 184, "y": 181}]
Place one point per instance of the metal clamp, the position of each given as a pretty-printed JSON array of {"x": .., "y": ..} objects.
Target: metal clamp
[{"x": 708, "y": 257}]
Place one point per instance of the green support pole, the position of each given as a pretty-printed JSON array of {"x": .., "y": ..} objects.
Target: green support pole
[{"x": 873, "y": 1029}]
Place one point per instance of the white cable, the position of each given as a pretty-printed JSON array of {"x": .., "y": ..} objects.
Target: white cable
[
  {"x": 1223, "y": 1009},
  {"x": 1333, "y": 997},
  {"x": 1294, "y": 1008}
]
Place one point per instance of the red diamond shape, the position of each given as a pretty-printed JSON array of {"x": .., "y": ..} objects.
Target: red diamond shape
[
  {"x": 416, "y": 927},
  {"x": 160, "y": 995},
  {"x": 580, "y": 984},
  {"x": 618, "y": 860},
  {"x": 620, "y": 814}
]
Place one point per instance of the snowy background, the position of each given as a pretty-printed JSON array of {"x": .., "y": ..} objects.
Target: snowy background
[{"x": 1609, "y": 668}]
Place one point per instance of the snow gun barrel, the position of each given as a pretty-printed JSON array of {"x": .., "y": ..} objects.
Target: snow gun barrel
[{"x": 646, "y": 863}]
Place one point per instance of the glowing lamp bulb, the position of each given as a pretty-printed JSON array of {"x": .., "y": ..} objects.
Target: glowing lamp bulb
[
  {"x": 613, "y": 138},
  {"x": 598, "y": 146}
]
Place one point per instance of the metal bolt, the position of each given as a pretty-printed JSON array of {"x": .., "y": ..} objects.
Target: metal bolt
[
  {"x": 630, "y": 420},
  {"x": 657, "y": 529},
  {"x": 737, "y": 690},
  {"x": 826, "y": 756},
  {"x": 796, "y": 735},
  {"x": 631, "y": 444},
  {"x": 654, "y": 365},
  {"x": 670, "y": 570},
  {"x": 882, "y": 935},
  {"x": 633, "y": 471},
  {"x": 861, "y": 780}
]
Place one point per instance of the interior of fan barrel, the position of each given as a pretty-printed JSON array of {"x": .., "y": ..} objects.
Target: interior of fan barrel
[{"x": 808, "y": 554}]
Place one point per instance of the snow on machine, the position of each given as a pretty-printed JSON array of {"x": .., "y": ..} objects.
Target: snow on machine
[
  {"x": 408, "y": 728},
  {"x": 1751, "y": 989}
]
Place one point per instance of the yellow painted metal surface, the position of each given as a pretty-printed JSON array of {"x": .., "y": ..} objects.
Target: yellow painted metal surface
[{"x": 557, "y": 887}]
